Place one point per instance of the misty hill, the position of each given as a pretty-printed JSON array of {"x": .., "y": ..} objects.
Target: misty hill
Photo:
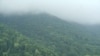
[{"x": 60, "y": 37}]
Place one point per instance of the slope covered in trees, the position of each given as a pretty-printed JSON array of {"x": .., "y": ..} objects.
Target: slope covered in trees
[
  {"x": 12, "y": 43},
  {"x": 53, "y": 36}
]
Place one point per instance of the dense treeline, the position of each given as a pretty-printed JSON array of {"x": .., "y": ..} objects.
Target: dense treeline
[
  {"x": 12, "y": 43},
  {"x": 46, "y": 35}
]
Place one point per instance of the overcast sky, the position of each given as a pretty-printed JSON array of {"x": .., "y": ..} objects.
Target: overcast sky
[{"x": 81, "y": 11}]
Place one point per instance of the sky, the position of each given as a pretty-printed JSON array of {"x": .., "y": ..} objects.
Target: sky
[{"x": 80, "y": 11}]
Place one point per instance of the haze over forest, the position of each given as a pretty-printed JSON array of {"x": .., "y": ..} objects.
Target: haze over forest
[
  {"x": 49, "y": 27},
  {"x": 81, "y": 11}
]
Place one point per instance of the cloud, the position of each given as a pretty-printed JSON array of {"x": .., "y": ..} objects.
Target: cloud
[{"x": 81, "y": 11}]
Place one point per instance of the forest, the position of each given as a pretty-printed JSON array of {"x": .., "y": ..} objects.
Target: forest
[{"x": 46, "y": 35}]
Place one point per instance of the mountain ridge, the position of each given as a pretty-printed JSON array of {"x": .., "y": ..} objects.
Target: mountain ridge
[{"x": 62, "y": 37}]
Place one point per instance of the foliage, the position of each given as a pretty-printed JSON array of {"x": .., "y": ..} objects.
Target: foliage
[{"x": 46, "y": 35}]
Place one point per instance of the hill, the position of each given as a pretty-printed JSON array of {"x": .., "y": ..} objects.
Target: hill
[{"x": 60, "y": 37}]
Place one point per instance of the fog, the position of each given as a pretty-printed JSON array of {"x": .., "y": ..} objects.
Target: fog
[{"x": 81, "y": 11}]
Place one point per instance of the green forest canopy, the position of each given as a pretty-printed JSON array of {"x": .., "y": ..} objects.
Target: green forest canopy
[{"x": 46, "y": 35}]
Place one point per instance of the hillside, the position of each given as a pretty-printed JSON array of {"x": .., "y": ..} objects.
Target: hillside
[
  {"x": 55, "y": 37},
  {"x": 13, "y": 43}
]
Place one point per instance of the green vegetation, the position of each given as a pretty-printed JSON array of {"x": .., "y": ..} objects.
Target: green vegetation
[
  {"x": 46, "y": 35},
  {"x": 12, "y": 43}
]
